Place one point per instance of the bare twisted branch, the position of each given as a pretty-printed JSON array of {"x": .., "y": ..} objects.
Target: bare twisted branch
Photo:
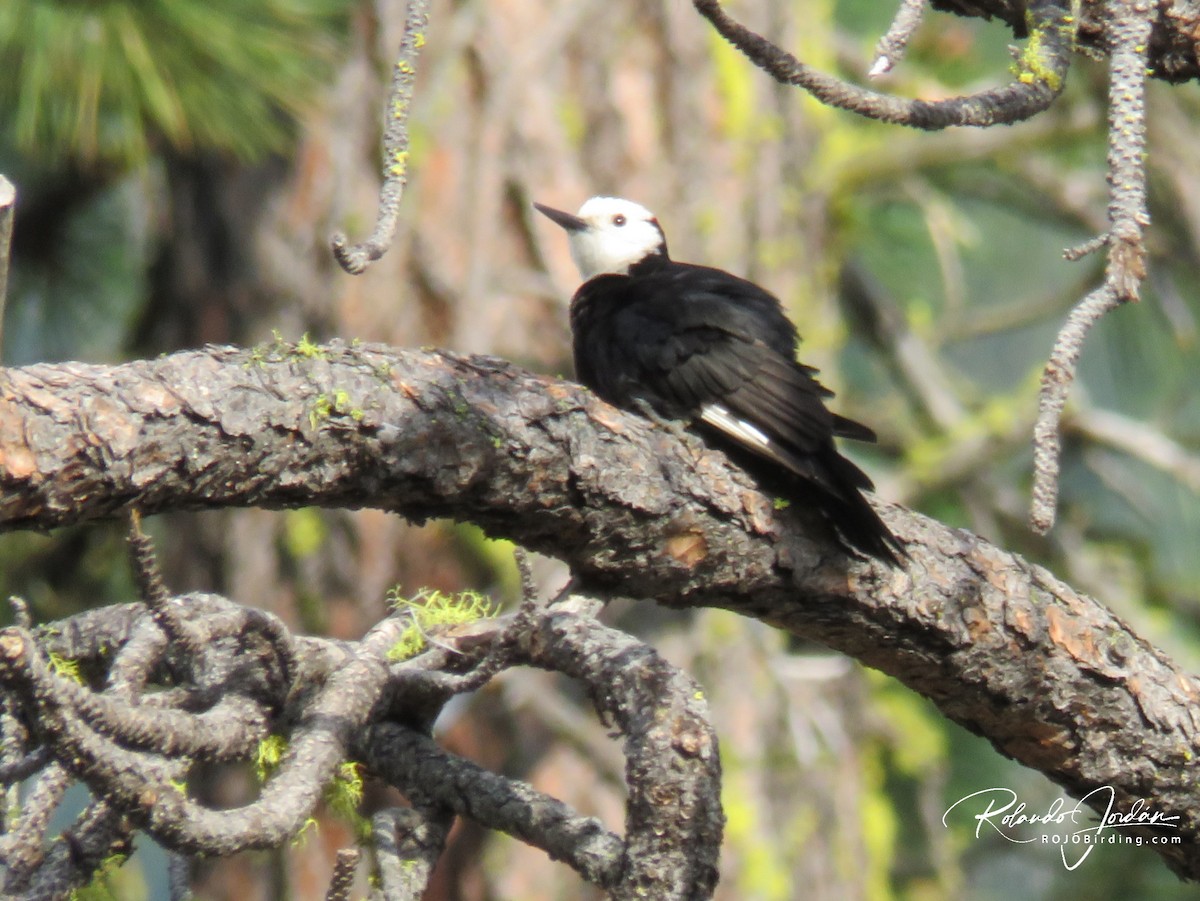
[
  {"x": 355, "y": 258},
  {"x": 1042, "y": 75},
  {"x": 1130, "y": 27}
]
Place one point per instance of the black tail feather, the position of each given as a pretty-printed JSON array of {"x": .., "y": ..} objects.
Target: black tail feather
[
  {"x": 835, "y": 497},
  {"x": 860, "y": 529},
  {"x": 851, "y": 514}
]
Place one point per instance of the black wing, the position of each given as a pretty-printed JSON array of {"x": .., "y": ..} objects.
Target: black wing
[{"x": 700, "y": 344}]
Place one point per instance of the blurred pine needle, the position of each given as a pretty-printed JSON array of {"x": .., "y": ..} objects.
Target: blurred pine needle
[{"x": 116, "y": 81}]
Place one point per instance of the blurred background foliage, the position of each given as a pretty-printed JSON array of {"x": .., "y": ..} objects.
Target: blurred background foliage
[
  {"x": 110, "y": 84},
  {"x": 181, "y": 163}
]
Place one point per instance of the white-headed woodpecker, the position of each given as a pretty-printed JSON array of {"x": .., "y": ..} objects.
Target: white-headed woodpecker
[{"x": 698, "y": 344}]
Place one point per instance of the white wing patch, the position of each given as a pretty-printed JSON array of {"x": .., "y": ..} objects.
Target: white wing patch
[{"x": 749, "y": 435}]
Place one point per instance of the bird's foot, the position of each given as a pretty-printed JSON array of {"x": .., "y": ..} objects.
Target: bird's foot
[{"x": 676, "y": 427}]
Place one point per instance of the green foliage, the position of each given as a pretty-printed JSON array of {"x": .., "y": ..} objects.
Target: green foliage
[
  {"x": 880, "y": 827},
  {"x": 971, "y": 259},
  {"x": 431, "y": 608},
  {"x": 995, "y": 419},
  {"x": 105, "y": 886},
  {"x": 111, "y": 81},
  {"x": 901, "y": 762},
  {"x": 304, "y": 532},
  {"x": 489, "y": 561},
  {"x": 924, "y": 745},
  {"x": 343, "y": 794},
  {"x": 280, "y": 350},
  {"x": 74, "y": 569},
  {"x": 735, "y": 86},
  {"x": 763, "y": 873},
  {"x": 1032, "y": 66}
]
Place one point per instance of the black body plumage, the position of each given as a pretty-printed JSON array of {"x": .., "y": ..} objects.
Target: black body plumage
[{"x": 701, "y": 345}]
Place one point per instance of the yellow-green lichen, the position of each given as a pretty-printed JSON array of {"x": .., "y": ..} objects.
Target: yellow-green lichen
[
  {"x": 344, "y": 794},
  {"x": 268, "y": 754},
  {"x": 1035, "y": 64},
  {"x": 68, "y": 669},
  {"x": 430, "y": 609},
  {"x": 306, "y": 347},
  {"x": 326, "y": 406},
  {"x": 102, "y": 887}
]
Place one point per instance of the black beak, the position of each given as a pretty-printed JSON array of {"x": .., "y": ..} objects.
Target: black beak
[{"x": 566, "y": 220}]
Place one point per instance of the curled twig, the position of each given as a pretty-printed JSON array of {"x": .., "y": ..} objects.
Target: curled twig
[
  {"x": 22, "y": 850},
  {"x": 673, "y": 812},
  {"x": 673, "y": 817},
  {"x": 1056, "y": 384},
  {"x": 153, "y": 591},
  {"x": 227, "y": 731},
  {"x": 343, "y": 875},
  {"x": 98, "y": 737},
  {"x": 892, "y": 45},
  {"x": 1130, "y": 26},
  {"x": 355, "y": 258},
  {"x": 23, "y": 767}
]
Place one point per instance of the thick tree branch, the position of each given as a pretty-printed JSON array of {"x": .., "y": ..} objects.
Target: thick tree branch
[
  {"x": 1051, "y": 677},
  {"x": 1172, "y": 49}
]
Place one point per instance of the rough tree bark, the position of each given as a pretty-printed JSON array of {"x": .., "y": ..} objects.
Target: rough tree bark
[{"x": 1049, "y": 676}]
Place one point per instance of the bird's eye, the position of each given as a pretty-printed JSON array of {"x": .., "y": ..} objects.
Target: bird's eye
[{"x": 618, "y": 220}]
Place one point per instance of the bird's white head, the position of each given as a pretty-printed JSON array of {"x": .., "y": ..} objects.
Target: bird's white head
[{"x": 609, "y": 235}]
